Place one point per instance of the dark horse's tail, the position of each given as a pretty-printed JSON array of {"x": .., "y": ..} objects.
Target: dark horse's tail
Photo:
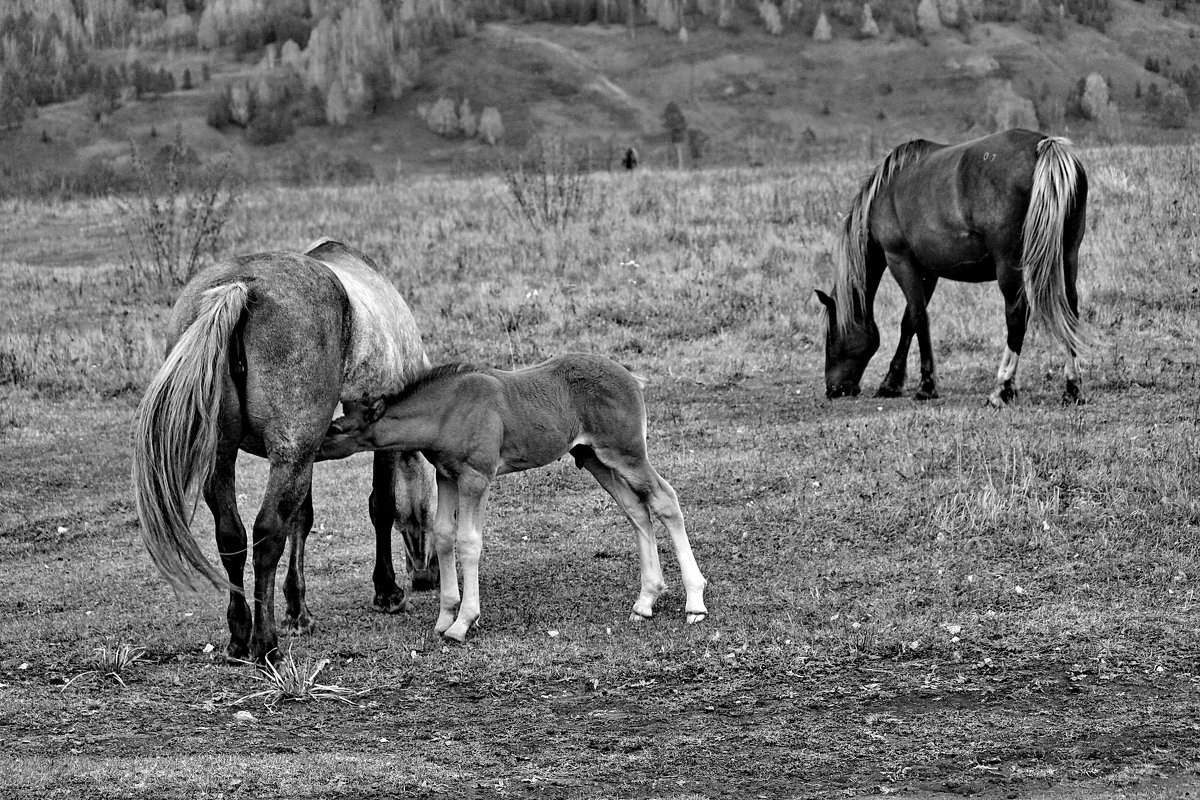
[
  {"x": 175, "y": 438},
  {"x": 1055, "y": 181}
]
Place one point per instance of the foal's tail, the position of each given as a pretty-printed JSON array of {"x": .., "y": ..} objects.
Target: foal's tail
[
  {"x": 1055, "y": 182},
  {"x": 175, "y": 438}
]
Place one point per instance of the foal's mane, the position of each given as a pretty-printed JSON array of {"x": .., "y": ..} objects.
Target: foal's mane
[
  {"x": 431, "y": 376},
  {"x": 849, "y": 285}
]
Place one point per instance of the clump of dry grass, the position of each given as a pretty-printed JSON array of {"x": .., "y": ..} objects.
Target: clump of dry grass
[{"x": 290, "y": 679}]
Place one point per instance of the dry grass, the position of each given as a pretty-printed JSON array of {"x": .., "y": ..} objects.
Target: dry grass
[{"x": 908, "y": 596}]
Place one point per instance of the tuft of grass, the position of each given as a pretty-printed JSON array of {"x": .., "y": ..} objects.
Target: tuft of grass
[{"x": 289, "y": 679}]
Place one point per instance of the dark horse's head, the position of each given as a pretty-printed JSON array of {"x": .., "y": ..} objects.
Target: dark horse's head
[{"x": 848, "y": 348}]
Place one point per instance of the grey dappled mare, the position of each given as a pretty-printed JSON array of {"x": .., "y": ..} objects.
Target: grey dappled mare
[
  {"x": 1010, "y": 208},
  {"x": 261, "y": 351},
  {"x": 476, "y": 423}
]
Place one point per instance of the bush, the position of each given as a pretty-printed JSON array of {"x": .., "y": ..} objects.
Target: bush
[
  {"x": 1173, "y": 110},
  {"x": 178, "y": 216}
]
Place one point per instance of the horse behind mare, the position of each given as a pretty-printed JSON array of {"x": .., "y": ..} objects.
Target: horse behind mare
[
  {"x": 474, "y": 424},
  {"x": 261, "y": 351},
  {"x": 1010, "y": 208}
]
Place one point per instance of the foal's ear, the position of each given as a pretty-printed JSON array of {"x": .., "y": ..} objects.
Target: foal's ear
[
  {"x": 374, "y": 410},
  {"x": 825, "y": 299}
]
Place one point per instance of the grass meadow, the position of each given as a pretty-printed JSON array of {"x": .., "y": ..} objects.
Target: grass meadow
[{"x": 904, "y": 598}]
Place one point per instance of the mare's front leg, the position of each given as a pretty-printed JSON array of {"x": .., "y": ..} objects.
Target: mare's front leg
[
  {"x": 893, "y": 382},
  {"x": 298, "y": 621},
  {"x": 1016, "y": 314},
  {"x": 382, "y": 505},
  {"x": 472, "y": 500},
  {"x": 909, "y": 275}
]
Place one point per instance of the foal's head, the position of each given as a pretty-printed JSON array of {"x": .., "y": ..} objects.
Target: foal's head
[{"x": 848, "y": 349}]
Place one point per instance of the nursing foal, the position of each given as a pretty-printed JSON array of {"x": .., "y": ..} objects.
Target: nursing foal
[{"x": 474, "y": 423}]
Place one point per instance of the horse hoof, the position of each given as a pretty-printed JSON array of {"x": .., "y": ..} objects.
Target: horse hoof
[
  {"x": 924, "y": 395},
  {"x": 456, "y": 633},
  {"x": 392, "y": 603},
  {"x": 302, "y": 626},
  {"x": 887, "y": 391},
  {"x": 1072, "y": 397},
  {"x": 696, "y": 616},
  {"x": 237, "y": 654},
  {"x": 637, "y": 616}
]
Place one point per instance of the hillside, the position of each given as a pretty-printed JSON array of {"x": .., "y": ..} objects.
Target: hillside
[{"x": 756, "y": 97}]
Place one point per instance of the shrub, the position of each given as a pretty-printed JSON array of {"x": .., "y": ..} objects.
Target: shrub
[
  {"x": 178, "y": 216},
  {"x": 1173, "y": 110},
  {"x": 491, "y": 129}
]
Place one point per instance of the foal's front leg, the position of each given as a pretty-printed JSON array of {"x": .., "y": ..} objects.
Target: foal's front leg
[
  {"x": 443, "y": 542},
  {"x": 472, "y": 498}
]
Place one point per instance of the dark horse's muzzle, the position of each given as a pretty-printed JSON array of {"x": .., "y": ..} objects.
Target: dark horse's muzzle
[{"x": 846, "y": 389}]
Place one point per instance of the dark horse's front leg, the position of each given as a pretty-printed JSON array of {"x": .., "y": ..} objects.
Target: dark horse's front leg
[
  {"x": 917, "y": 290},
  {"x": 403, "y": 493},
  {"x": 893, "y": 382}
]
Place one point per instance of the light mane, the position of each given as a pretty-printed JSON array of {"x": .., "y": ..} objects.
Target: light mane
[{"x": 850, "y": 279}]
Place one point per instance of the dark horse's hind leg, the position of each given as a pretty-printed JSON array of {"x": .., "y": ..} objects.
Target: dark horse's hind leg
[
  {"x": 893, "y": 382},
  {"x": 221, "y": 498},
  {"x": 1072, "y": 395},
  {"x": 298, "y": 620},
  {"x": 288, "y": 484},
  {"x": 1016, "y": 314}
]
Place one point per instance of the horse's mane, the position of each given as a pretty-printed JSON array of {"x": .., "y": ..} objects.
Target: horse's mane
[
  {"x": 431, "y": 376},
  {"x": 850, "y": 281}
]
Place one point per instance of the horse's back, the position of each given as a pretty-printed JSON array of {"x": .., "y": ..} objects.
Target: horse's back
[
  {"x": 961, "y": 202},
  {"x": 385, "y": 345}
]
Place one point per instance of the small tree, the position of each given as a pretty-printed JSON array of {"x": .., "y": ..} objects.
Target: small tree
[
  {"x": 822, "y": 32},
  {"x": 491, "y": 130},
  {"x": 337, "y": 110},
  {"x": 12, "y": 104},
  {"x": 442, "y": 117},
  {"x": 1173, "y": 110},
  {"x": 676, "y": 125},
  {"x": 467, "y": 123},
  {"x": 1094, "y": 98},
  {"x": 770, "y": 17}
]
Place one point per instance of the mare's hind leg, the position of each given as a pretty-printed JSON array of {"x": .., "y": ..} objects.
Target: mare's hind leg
[
  {"x": 288, "y": 484},
  {"x": 642, "y": 493},
  {"x": 298, "y": 621},
  {"x": 893, "y": 382},
  {"x": 1016, "y": 313},
  {"x": 221, "y": 498}
]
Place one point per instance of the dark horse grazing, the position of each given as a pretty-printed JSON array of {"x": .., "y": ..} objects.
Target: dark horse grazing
[
  {"x": 474, "y": 424},
  {"x": 1009, "y": 208},
  {"x": 261, "y": 351}
]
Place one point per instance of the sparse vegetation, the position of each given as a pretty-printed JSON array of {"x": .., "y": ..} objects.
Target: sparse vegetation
[{"x": 876, "y": 567}]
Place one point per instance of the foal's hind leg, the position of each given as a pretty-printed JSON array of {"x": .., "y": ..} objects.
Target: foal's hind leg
[
  {"x": 642, "y": 493},
  {"x": 298, "y": 621}
]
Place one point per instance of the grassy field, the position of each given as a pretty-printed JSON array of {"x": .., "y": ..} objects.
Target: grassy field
[{"x": 905, "y": 598}]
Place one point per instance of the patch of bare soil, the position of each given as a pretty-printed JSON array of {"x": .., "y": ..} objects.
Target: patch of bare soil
[{"x": 823, "y": 731}]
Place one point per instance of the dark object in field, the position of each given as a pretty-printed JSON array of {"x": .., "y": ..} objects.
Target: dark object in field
[
  {"x": 631, "y": 159},
  {"x": 262, "y": 349},
  {"x": 474, "y": 423},
  {"x": 1010, "y": 207}
]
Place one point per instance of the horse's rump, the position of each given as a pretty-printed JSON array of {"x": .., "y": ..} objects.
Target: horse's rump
[{"x": 385, "y": 350}]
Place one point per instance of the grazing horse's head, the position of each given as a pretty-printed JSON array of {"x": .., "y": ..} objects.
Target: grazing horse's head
[{"x": 848, "y": 349}]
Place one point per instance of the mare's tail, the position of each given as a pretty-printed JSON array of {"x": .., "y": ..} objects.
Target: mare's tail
[
  {"x": 1055, "y": 181},
  {"x": 175, "y": 438},
  {"x": 850, "y": 279}
]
